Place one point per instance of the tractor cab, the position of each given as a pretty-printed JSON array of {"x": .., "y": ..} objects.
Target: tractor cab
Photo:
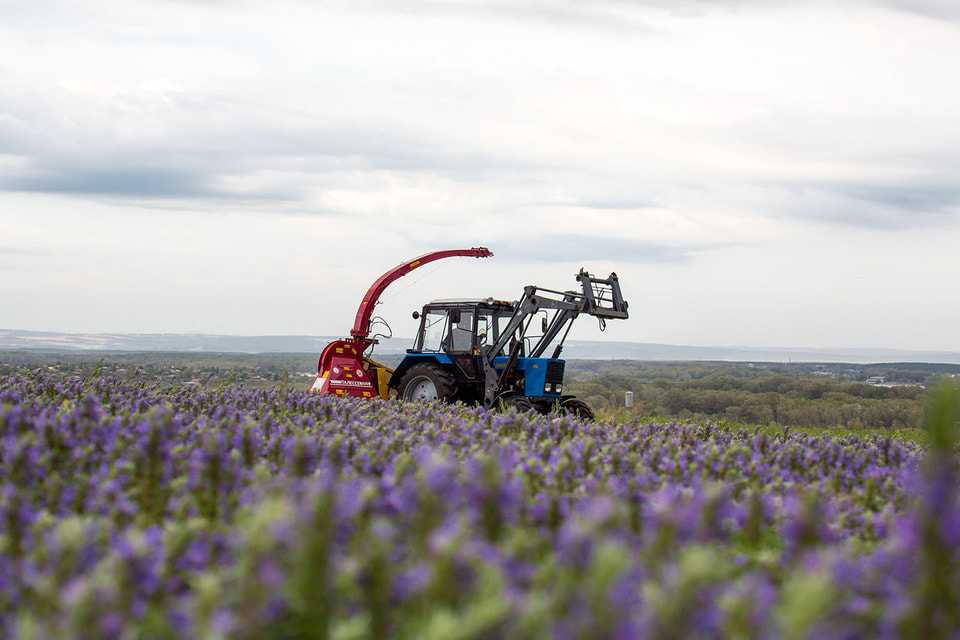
[
  {"x": 460, "y": 326},
  {"x": 446, "y": 361}
]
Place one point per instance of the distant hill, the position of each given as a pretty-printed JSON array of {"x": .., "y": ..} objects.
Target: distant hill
[
  {"x": 581, "y": 349},
  {"x": 184, "y": 342},
  {"x": 666, "y": 352}
]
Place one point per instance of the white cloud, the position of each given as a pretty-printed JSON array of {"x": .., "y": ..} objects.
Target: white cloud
[{"x": 254, "y": 167}]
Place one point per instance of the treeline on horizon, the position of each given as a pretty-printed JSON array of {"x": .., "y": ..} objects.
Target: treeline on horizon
[
  {"x": 827, "y": 396},
  {"x": 762, "y": 396}
]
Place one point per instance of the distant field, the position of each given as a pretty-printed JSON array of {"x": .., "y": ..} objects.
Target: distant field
[
  {"x": 834, "y": 398},
  {"x": 890, "y": 398}
]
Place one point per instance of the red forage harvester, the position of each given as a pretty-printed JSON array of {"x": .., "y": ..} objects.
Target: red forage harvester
[{"x": 343, "y": 370}]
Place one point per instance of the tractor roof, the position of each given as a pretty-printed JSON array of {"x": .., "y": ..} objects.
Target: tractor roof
[{"x": 489, "y": 302}]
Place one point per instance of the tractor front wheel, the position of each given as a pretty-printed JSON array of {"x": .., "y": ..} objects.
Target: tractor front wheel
[
  {"x": 520, "y": 403},
  {"x": 577, "y": 408},
  {"x": 427, "y": 383}
]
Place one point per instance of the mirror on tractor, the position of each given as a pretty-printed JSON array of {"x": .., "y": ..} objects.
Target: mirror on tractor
[{"x": 416, "y": 315}]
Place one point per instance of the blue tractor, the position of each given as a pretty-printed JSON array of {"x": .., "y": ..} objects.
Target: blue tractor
[{"x": 491, "y": 352}]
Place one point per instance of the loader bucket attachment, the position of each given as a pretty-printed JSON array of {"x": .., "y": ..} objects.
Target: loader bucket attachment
[{"x": 602, "y": 296}]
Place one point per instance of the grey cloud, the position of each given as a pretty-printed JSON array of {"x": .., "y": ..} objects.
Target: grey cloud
[
  {"x": 140, "y": 182},
  {"x": 873, "y": 171},
  {"x": 209, "y": 141},
  {"x": 866, "y": 217},
  {"x": 609, "y": 15},
  {"x": 880, "y": 206},
  {"x": 20, "y": 259},
  {"x": 909, "y": 198},
  {"x": 196, "y": 166},
  {"x": 938, "y": 9},
  {"x": 563, "y": 248},
  {"x": 595, "y": 14},
  {"x": 412, "y": 152},
  {"x": 617, "y": 204},
  {"x": 17, "y": 251}
]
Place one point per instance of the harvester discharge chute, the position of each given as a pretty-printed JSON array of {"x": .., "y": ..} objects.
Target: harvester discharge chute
[
  {"x": 343, "y": 370},
  {"x": 481, "y": 351}
]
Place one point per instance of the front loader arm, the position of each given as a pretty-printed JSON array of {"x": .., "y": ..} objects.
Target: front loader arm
[
  {"x": 529, "y": 305},
  {"x": 600, "y": 297}
]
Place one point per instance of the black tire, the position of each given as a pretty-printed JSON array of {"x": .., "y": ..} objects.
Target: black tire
[
  {"x": 577, "y": 408},
  {"x": 426, "y": 382},
  {"x": 522, "y": 404}
]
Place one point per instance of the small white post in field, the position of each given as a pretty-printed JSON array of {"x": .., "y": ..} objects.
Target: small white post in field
[{"x": 629, "y": 398}]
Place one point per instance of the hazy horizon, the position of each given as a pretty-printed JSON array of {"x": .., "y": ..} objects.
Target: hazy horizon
[{"x": 574, "y": 349}]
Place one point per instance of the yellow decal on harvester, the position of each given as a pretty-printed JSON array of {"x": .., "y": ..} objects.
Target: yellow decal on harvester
[{"x": 414, "y": 263}]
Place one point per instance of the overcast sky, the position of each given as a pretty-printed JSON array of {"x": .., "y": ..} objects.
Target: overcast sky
[{"x": 758, "y": 173}]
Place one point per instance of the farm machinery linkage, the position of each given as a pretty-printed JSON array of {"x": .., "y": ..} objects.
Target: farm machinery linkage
[{"x": 473, "y": 350}]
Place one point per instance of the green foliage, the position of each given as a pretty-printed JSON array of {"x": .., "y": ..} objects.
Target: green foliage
[
  {"x": 760, "y": 397},
  {"x": 934, "y": 613}
]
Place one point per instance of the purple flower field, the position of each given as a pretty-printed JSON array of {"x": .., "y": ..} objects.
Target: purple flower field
[{"x": 136, "y": 512}]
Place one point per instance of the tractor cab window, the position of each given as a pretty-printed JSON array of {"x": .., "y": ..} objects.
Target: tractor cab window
[
  {"x": 434, "y": 330},
  {"x": 461, "y": 333},
  {"x": 486, "y": 329},
  {"x": 491, "y": 324},
  {"x": 503, "y": 321}
]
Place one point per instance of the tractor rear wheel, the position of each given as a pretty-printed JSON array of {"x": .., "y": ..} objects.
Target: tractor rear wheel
[
  {"x": 577, "y": 408},
  {"x": 426, "y": 382}
]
